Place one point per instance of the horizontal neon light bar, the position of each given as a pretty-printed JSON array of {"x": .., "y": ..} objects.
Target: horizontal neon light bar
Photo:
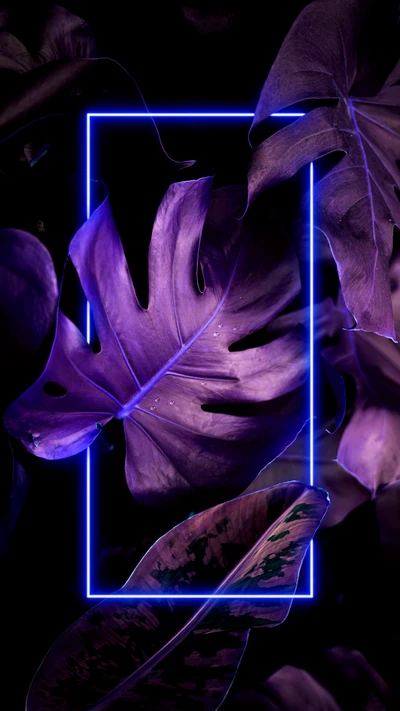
[
  {"x": 165, "y": 114},
  {"x": 199, "y": 597}
]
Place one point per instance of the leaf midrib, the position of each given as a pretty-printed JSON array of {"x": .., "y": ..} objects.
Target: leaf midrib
[{"x": 138, "y": 397}]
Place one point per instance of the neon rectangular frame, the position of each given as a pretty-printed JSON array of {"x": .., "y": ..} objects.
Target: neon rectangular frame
[{"x": 203, "y": 115}]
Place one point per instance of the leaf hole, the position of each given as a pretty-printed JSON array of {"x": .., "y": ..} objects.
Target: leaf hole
[
  {"x": 200, "y": 278},
  {"x": 54, "y": 389}
]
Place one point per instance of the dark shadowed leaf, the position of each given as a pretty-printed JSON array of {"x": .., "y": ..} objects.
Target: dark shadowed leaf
[
  {"x": 58, "y": 34},
  {"x": 19, "y": 487},
  {"x": 210, "y": 20},
  {"x": 28, "y": 297},
  {"x": 387, "y": 509},
  {"x": 342, "y": 679},
  {"x": 39, "y": 87},
  {"x": 168, "y": 655},
  {"x": 357, "y": 204},
  {"x": 60, "y": 52},
  {"x": 345, "y": 491},
  {"x": 158, "y": 368}
]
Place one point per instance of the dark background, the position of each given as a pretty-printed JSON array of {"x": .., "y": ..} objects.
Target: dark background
[{"x": 182, "y": 59}]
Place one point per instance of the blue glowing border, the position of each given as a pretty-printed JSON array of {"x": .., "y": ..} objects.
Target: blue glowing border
[{"x": 117, "y": 595}]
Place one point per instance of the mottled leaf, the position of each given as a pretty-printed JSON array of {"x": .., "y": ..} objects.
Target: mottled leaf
[
  {"x": 167, "y": 654},
  {"x": 357, "y": 204},
  {"x": 168, "y": 371}
]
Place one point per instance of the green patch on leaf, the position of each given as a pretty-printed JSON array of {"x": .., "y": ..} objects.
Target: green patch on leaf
[
  {"x": 278, "y": 536},
  {"x": 300, "y": 511}
]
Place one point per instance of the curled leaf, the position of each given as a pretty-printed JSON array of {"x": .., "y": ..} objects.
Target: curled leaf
[{"x": 164, "y": 653}]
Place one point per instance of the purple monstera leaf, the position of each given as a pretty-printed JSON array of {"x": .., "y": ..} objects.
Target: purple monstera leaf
[
  {"x": 167, "y": 654},
  {"x": 159, "y": 367},
  {"x": 357, "y": 204}
]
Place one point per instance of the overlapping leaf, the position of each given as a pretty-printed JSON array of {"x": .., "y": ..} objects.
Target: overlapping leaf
[
  {"x": 374, "y": 363},
  {"x": 345, "y": 491},
  {"x": 165, "y": 654},
  {"x": 356, "y": 202},
  {"x": 158, "y": 367}
]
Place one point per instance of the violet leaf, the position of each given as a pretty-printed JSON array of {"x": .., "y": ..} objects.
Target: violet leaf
[
  {"x": 159, "y": 367},
  {"x": 369, "y": 444},
  {"x": 373, "y": 363},
  {"x": 28, "y": 299},
  {"x": 356, "y": 205},
  {"x": 166, "y": 654}
]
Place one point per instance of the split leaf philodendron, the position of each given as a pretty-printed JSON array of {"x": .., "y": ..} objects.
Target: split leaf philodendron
[
  {"x": 356, "y": 202},
  {"x": 174, "y": 654},
  {"x": 159, "y": 367}
]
